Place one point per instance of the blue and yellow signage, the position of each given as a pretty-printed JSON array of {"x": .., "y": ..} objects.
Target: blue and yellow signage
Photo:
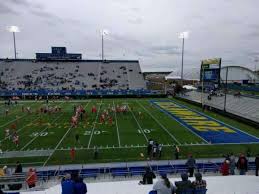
[{"x": 207, "y": 128}]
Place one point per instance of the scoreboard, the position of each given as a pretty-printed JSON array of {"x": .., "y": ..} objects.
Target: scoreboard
[
  {"x": 58, "y": 53},
  {"x": 210, "y": 70}
]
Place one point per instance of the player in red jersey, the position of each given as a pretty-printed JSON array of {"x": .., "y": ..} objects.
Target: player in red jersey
[
  {"x": 16, "y": 140},
  {"x": 72, "y": 154},
  {"x": 13, "y": 127},
  {"x": 94, "y": 110},
  {"x": 110, "y": 121}
]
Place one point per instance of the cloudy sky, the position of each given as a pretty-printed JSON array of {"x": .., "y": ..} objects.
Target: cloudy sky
[{"x": 139, "y": 29}]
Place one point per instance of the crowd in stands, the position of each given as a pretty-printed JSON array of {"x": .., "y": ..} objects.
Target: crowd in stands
[
  {"x": 70, "y": 75},
  {"x": 164, "y": 186},
  {"x": 154, "y": 149},
  {"x": 230, "y": 164},
  {"x": 30, "y": 177},
  {"x": 73, "y": 184}
]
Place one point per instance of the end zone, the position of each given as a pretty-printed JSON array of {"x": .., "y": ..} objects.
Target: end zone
[{"x": 207, "y": 128}]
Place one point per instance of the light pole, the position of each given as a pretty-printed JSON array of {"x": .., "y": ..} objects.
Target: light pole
[
  {"x": 103, "y": 33},
  {"x": 14, "y": 29},
  {"x": 226, "y": 89},
  {"x": 202, "y": 86},
  {"x": 183, "y": 36},
  {"x": 256, "y": 61}
]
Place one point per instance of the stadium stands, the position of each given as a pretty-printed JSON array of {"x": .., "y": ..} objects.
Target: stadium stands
[
  {"x": 215, "y": 185},
  {"x": 121, "y": 170},
  {"x": 70, "y": 75},
  {"x": 243, "y": 106}
]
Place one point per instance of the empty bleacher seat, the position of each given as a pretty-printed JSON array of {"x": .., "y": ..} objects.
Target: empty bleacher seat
[
  {"x": 137, "y": 170},
  {"x": 87, "y": 173},
  {"x": 119, "y": 171}
]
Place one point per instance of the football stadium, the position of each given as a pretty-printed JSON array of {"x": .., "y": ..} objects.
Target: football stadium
[{"x": 71, "y": 122}]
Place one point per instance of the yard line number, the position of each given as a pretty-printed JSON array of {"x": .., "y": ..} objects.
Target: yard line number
[{"x": 145, "y": 130}]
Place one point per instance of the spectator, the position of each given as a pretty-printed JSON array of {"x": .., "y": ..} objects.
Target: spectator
[
  {"x": 96, "y": 152},
  {"x": 164, "y": 186},
  {"x": 199, "y": 183},
  {"x": 225, "y": 168},
  {"x": 191, "y": 165},
  {"x": 67, "y": 185},
  {"x": 242, "y": 164},
  {"x": 159, "y": 149},
  {"x": 149, "y": 147},
  {"x": 232, "y": 164},
  {"x": 31, "y": 178},
  {"x": 256, "y": 165},
  {"x": 80, "y": 186},
  {"x": 4, "y": 171},
  {"x": 18, "y": 168},
  {"x": 183, "y": 185},
  {"x": 176, "y": 152},
  {"x": 148, "y": 177},
  {"x": 72, "y": 154}
]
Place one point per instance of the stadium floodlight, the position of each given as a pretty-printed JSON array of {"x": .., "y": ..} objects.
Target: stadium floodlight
[
  {"x": 13, "y": 29},
  {"x": 104, "y": 32},
  {"x": 183, "y": 35}
]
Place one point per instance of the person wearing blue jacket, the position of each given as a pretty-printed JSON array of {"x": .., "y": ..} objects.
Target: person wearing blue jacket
[
  {"x": 67, "y": 185},
  {"x": 80, "y": 186}
]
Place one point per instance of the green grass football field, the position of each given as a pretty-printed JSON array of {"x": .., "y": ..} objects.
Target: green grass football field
[{"x": 123, "y": 140}]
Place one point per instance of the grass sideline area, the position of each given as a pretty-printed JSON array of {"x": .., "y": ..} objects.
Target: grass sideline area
[{"x": 122, "y": 141}]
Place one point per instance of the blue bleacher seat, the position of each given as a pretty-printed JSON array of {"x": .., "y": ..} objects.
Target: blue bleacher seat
[
  {"x": 119, "y": 171},
  {"x": 251, "y": 166},
  {"x": 210, "y": 167},
  {"x": 88, "y": 173},
  {"x": 188, "y": 191},
  {"x": 168, "y": 169},
  {"x": 137, "y": 170},
  {"x": 192, "y": 191},
  {"x": 181, "y": 168},
  {"x": 152, "y": 192},
  {"x": 200, "y": 191}
]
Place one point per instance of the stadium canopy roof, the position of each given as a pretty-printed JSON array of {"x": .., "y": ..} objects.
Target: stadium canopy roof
[{"x": 234, "y": 73}]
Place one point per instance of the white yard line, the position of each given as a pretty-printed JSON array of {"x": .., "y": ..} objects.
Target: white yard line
[
  {"x": 25, "y": 114},
  {"x": 60, "y": 142},
  {"x": 13, "y": 120},
  {"x": 118, "y": 134},
  {"x": 32, "y": 140},
  {"x": 138, "y": 123},
  {"x": 92, "y": 132},
  {"x": 22, "y": 128},
  {"x": 57, "y": 145},
  {"x": 160, "y": 124}
]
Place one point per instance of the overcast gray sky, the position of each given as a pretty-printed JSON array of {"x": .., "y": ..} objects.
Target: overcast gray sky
[{"x": 139, "y": 29}]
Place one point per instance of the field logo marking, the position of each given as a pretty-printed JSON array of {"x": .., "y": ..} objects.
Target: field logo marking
[
  {"x": 160, "y": 124},
  {"x": 209, "y": 129}
]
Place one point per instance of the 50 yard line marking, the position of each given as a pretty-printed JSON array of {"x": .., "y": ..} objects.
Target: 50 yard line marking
[
  {"x": 137, "y": 123},
  {"x": 92, "y": 132},
  {"x": 60, "y": 142},
  {"x": 160, "y": 124},
  {"x": 116, "y": 124}
]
